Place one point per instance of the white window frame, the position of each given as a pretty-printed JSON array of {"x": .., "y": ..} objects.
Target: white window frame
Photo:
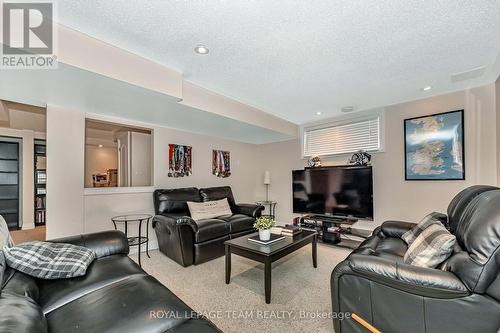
[{"x": 346, "y": 120}]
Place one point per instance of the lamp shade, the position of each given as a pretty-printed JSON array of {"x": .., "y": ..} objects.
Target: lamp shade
[{"x": 267, "y": 178}]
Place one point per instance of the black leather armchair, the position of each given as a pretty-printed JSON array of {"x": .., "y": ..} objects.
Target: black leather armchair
[
  {"x": 461, "y": 295},
  {"x": 115, "y": 295},
  {"x": 189, "y": 242}
]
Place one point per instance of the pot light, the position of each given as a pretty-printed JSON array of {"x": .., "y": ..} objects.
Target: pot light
[
  {"x": 200, "y": 49},
  {"x": 426, "y": 88},
  {"x": 100, "y": 146},
  {"x": 347, "y": 109},
  {"x": 318, "y": 113}
]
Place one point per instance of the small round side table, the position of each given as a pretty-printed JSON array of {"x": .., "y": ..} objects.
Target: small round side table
[
  {"x": 139, "y": 240},
  {"x": 271, "y": 205}
]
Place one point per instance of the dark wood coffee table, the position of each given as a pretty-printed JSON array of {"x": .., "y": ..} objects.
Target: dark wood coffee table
[{"x": 267, "y": 254}]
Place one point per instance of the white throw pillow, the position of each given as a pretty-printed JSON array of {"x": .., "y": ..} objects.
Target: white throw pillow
[
  {"x": 209, "y": 209},
  {"x": 5, "y": 239}
]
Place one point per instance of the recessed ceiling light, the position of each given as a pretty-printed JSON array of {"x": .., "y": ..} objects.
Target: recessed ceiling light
[
  {"x": 318, "y": 113},
  {"x": 200, "y": 49},
  {"x": 100, "y": 146},
  {"x": 347, "y": 109},
  {"x": 426, "y": 88}
]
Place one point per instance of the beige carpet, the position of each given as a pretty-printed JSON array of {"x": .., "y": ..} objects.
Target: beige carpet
[{"x": 297, "y": 290}]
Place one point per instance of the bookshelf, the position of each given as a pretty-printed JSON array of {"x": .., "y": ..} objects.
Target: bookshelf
[{"x": 40, "y": 182}]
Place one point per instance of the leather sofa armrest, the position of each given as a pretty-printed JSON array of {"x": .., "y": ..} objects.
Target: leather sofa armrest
[
  {"x": 176, "y": 234},
  {"x": 395, "y": 228},
  {"x": 416, "y": 280},
  {"x": 252, "y": 210},
  {"x": 175, "y": 220},
  {"x": 104, "y": 243}
]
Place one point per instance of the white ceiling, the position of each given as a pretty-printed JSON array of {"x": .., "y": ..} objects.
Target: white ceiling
[
  {"x": 78, "y": 89},
  {"x": 295, "y": 58}
]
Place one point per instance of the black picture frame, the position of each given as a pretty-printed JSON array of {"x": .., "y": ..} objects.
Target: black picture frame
[{"x": 462, "y": 120}]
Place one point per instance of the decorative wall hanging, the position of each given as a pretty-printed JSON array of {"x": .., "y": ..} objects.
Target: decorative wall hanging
[
  {"x": 314, "y": 162},
  {"x": 221, "y": 163},
  {"x": 434, "y": 147},
  {"x": 180, "y": 160},
  {"x": 360, "y": 157}
]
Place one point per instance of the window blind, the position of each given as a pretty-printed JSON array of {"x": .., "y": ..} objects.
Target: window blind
[{"x": 343, "y": 139}]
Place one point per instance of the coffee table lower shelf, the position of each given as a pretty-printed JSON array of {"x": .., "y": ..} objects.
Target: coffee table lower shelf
[{"x": 267, "y": 254}]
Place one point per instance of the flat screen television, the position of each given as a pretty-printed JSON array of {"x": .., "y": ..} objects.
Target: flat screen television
[{"x": 337, "y": 191}]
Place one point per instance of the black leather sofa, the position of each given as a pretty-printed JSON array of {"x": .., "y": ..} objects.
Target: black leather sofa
[
  {"x": 115, "y": 295},
  {"x": 188, "y": 242},
  {"x": 461, "y": 295}
]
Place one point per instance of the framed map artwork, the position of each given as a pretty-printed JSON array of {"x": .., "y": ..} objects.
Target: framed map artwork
[{"x": 434, "y": 147}]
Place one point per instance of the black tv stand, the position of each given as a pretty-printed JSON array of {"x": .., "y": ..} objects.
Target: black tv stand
[{"x": 329, "y": 227}]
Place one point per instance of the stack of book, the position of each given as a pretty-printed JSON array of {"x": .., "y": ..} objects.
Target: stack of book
[
  {"x": 291, "y": 230},
  {"x": 288, "y": 230}
]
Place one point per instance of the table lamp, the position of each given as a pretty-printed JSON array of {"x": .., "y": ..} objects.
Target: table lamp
[{"x": 267, "y": 182}]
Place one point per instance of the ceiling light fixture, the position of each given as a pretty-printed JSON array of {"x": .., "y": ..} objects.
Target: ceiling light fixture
[
  {"x": 318, "y": 113},
  {"x": 347, "y": 109},
  {"x": 426, "y": 88},
  {"x": 100, "y": 146},
  {"x": 200, "y": 49}
]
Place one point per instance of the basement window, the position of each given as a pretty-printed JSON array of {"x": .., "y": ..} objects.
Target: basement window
[{"x": 343, "y": 138}]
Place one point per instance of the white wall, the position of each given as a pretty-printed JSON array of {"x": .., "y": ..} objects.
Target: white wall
[
  {"x": 71, "y": 210},
  {"x": 27, "y": 187},
  {"x": 395, "y": 198},
  {"x": 65, "y": 171}
]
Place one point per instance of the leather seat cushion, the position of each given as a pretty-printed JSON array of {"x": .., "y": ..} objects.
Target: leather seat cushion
[
  {"x": 390, "y": 247},
  {"x": 209, "y": 229},
  {"x": 20, "y": 314},
  {"x": 238, "y": 222},
  {"x": 137, "y": 304},
  {"x": 101, "y": 273}
]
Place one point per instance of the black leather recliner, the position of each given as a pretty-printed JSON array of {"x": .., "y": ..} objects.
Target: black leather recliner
[
  {"x": 461, "y": 295},
  {"x": 189, "y": 242},
  {"x": 115, "y": 295}
]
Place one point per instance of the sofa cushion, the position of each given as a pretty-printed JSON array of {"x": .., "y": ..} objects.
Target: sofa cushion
[
  {"x": 137, "y": 304},
  {"x": 174, "y": 201},
  {"x": 433, "y": 246},
  {"x": 101, "y": 273},
  {"x": 209, "y": 209},
  {"x": 210, "y": 229},
  {"x": 413, "y": 233},
  {"x": 20, "y": 314},
  {"x": 238, "y": 222},
  {"x": 18, "y": 283},
  {"x": 217, "y": 193},
  {"x": 46, "y": 260}
]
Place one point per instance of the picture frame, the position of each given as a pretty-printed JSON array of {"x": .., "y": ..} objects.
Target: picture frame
[{"x": 434, "y": 147}]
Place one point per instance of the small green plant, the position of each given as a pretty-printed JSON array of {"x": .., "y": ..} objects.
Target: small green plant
[{"x": 264, "y": 223}]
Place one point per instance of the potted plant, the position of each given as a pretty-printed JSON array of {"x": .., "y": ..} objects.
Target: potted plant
[{"x": 264, "y": 225}]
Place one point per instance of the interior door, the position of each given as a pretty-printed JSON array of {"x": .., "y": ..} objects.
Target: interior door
[{"x": 9, "y": 183}]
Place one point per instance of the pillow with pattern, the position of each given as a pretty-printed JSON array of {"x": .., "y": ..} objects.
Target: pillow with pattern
[
  {"x": 431, "y": 247},
  {"x": 432, "y": 218},
  {"x": 47, "y": 260}
]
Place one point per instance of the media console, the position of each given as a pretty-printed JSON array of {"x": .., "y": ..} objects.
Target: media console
[{"x": 329, "y": 228}]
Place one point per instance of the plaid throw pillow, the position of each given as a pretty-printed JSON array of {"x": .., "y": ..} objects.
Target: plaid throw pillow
[
  {"x": 432, "y": 218},
  {"x": 433, "y": 246},
  {"x": 47, "y": 260}
]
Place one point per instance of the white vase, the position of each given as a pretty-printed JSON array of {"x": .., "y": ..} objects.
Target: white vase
[{"x": 265, "y": 235}]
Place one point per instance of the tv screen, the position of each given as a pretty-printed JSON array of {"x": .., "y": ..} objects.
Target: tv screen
[{"x": 338, "y": 191}]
